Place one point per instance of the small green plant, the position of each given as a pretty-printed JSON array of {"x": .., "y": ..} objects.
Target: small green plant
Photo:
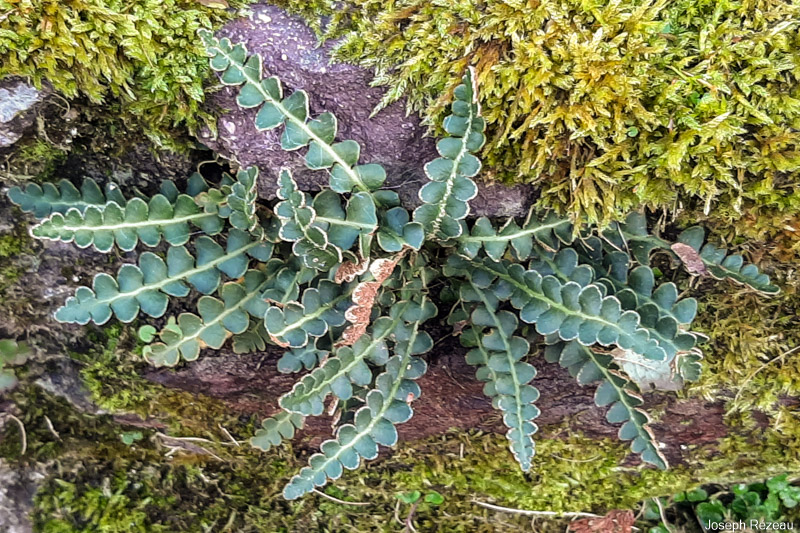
[
  {"x": 416, "y": 502},
  {"x": 345, "y": 281},
  {"x": 12, "y": 353},
  {"x": 130, "y": 437},
  {"x": 759, "y": 502}
]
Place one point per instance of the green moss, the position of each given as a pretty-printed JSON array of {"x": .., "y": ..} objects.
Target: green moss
[
  {"x": 35, "y": 159},
  {"x": 750, "y": 359},
  {"x": 143, "y": 53},
  {"x": 607, "y": 105},
  {"x": 12, "y": 245}
]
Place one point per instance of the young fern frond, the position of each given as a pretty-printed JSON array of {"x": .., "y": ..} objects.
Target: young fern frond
[
  {"x": 445, "y": 198},
  {"x": 321, "y": 229},
  {"x": 48, "y": 198},
  {"x": 614, "y": 391}
]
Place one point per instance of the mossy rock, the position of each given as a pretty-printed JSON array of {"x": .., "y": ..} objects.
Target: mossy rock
[
  {"x": 143, "y": 54},
  {"x": 605, "y": 106}
]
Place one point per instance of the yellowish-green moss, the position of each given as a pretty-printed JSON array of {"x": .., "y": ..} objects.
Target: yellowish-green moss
[
  {"x": 606, "y": 105},
  {"x": 752, "y": 358},
  {"x": 144, "y": 54}
]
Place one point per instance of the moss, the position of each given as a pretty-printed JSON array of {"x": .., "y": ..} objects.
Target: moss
[
  {"x": 12, "y": 245},
  {"x": 243, "y": 492},
  {"x": 606, "y": 105},
  {"x": 36, "y": 158},
  {"x": 750, "y": 360},
  {"x": 143, "y": 54}
]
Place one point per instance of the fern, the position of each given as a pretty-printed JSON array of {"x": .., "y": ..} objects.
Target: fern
[
  {"x": 339, "y": 280},
  {"x": 48, "y": 198}
]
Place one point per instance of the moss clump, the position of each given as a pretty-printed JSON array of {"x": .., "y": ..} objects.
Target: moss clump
[
  {"x": 35, "y": 159},
  {"x": 609, "y": 105},
  {"x": 143, "y": 53},
  {"x": 754, "y": 362}
]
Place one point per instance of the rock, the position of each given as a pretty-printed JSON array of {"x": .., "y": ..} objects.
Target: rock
[
  {"x": 64, "y": 380},
  {"x": 398, "y": 142},
  {"x": 17, "y": 99},
  {"x": 17, "y": 487}
]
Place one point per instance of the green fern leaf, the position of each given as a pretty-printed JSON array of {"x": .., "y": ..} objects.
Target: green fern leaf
[
  {"x": 276, "y": 429},
  {"x": 614, "y": 391},
  {"x": 291, "y": 112},
  {"x": 386, "y": 405},
  {"x": 110, "y": 224},
  {"x": 218, "y": 319},
  {"x": 146, "y": 287},
  {"x": 500, "y": 354},
  {"x": 48, "y": 198},
  {"x": 445, "y": 198}
]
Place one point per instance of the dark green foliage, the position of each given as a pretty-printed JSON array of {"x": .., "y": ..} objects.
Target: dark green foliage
[{"x": 308, "y": 276}]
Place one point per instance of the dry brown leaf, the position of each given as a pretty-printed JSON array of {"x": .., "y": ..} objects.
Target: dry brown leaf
[
  {"x": 690, "y": 257},
  {"x": 381, "y": 269},
  {"x": 358, "y": 314},
  {"x": 348, "y": 271},
  {"x": 616, "y": 521},
  {"x": 363, "y": 299}
]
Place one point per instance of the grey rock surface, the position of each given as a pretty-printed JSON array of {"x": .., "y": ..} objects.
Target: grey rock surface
[
  {"x": 398, "y": 142},
  {"x": 17, "y": 488},
  {"x": 17, "y": 99}
]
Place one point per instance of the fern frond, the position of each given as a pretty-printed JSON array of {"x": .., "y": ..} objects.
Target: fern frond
[
  {"x": 322, "y": 229},
  {"x": 614, "y": 391},
  {"x": 445, "y": 198},
  {"x": 146, "y": 287},
  {"x": 218, "y": 319},
  {"x": 292, "y": 113},
  {"x": 305, "y": 358},
  {"x": 548, "y": 230},
  {"x": 138, "y": 221},
  {"x": 387, "y": 404},
  {"x": 321, "y": 308},
  {"x": 276, "y": 429},
  {"x": 242, "y": 200},
  {"x": 347, "y": 367},
  {"x": 499, "y": 354},
  {"x": 633, "y": 235},
  {"x": 575, "y": 312},
  {"x": 48, "y": 198}
]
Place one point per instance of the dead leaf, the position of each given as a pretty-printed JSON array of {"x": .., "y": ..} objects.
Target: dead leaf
[
  {"x": 616, "y": 521},
  {"x": 363, "y": 299},
  {"x": 690, "y": 257},
  {"x": 348, "y": 271}
]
